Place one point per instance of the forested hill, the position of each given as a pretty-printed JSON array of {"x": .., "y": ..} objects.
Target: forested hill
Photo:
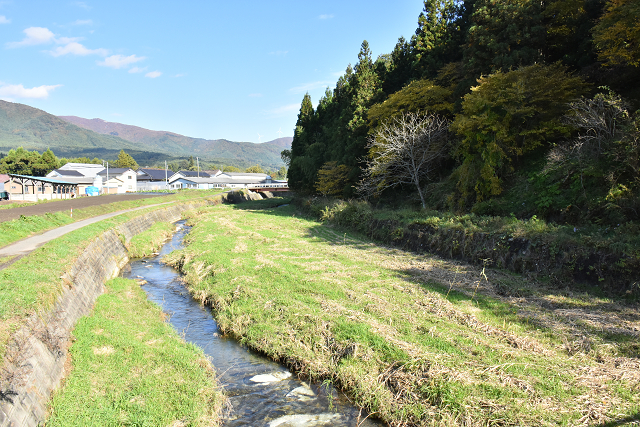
[
  {"x": 220, "y": 150},
  {"x": 531, "y": 107},
  {"x": 31, "y": 128}
]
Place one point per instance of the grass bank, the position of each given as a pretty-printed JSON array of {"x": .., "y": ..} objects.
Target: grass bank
[
  {"x": 17, "y": 229},
  {"x": 418, "y": 341},
  {"x": 130, "y": 367},
  {"x": 602, "y": 260},
  {"x": 25, "y": 290}
]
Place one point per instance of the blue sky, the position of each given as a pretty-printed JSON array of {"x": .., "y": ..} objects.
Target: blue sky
[{"x": 210, "y": 69}]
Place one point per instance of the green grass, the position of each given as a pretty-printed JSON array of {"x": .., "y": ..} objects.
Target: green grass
[
  {"x": 147, "y": 242},
  {"x": 383, "y": 325},
  {"x": 131, "y": 368},
  {"x": 25, "y": 290},
  {"x": 17, "y": 229}
]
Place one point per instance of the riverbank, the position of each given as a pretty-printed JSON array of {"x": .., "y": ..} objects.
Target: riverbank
[
  {"x": 40, "y": 306},
  {"x": 599, "y": 260},
  {"x": 418, "y": 340}
]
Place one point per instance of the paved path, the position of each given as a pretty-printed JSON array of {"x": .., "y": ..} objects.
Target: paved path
[
  {"x": 26, "y": 246},
  {"x": 67, "y": 204}
]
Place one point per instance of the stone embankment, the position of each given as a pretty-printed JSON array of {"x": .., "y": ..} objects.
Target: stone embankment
[{"x": 37, "y": 355}]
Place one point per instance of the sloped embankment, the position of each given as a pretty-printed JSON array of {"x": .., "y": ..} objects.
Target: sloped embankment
[
  {"x": 518, "y": 246},
  {"x": 37, "y": 354}
]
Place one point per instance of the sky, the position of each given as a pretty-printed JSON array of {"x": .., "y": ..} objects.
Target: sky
[{"x": 234, "y": 70}]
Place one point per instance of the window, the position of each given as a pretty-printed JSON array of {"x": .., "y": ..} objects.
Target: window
[{"x": 129, "y": 178}]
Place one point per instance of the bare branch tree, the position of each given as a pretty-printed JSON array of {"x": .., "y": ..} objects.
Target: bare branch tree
[{"x": 405, "y": 151}]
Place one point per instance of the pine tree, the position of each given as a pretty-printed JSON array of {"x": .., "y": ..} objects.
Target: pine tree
[
  {"x": 504, "y": 35},
  {"x": 125, "y": 161}
]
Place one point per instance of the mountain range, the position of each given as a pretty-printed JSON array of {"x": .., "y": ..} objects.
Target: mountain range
[{"x": 71, "y": 136}]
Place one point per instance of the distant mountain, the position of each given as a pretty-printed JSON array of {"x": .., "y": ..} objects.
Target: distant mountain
[
  {"x": 219, "y": 150},
  {"x": 34, "y": 129}
]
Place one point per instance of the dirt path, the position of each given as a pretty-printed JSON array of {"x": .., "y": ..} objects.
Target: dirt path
[{"x": 64, "y": 205}]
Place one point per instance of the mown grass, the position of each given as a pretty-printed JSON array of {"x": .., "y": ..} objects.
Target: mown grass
[
  {"x": 147, "y": 242},
  {"x": 17, "y": 229},
  {"x": 25, "y": 290},
  {"x": 386, "y": 326},
  {"x": 131, "y": 368}
]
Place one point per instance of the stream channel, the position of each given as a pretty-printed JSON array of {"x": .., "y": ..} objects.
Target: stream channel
[{"x": 260, "y": 391}]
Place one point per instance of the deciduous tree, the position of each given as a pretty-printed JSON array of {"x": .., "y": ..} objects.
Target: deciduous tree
[
  {"x": 506, "y": 116},
  {"x": 405, "y": 151}
]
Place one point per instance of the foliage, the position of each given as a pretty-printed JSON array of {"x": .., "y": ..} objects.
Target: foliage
[
  {"x": 405, "y": 151},
  {"x": 125, "y": 161},
  {"x": 505, "y": 117},
  {"x": 419, "y": 96},
  {"x": 332, "y": 179},
  {"x": 254, "y": 169},
  {"x": 230, "y": 169},
  {"x": 617, "y": 34},
  {"x": 504, "y": 35},
  {"x": 23, "y": 162}
]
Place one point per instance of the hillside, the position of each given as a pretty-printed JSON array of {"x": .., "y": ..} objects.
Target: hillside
[
  {"x": 219, "y": 150},
  {"x": 31, "y": 128}
]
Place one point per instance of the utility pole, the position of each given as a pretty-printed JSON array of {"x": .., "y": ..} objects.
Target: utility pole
[
  {"x": 198, "y": 162},
  {"x": 107, "y": 183},
  {"x": 166, "y": 178}
]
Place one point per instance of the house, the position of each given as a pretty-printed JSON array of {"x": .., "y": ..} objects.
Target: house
[
  {"x": 152, "y": 179},
  {"x": 118, "y": 181},
  {"x": 222, "y": 180},
  {"x": 78, "y": 174},
  {"x": 188, "y": 174}
]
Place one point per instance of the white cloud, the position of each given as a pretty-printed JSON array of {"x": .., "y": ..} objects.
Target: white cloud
[
  {"x": 117, "y": 114},
  {"x": 325, "y": 16},
  {"x": 83, "y": 22},
  {"x": 255, "y": 95},
  {"x": 279, "y": 52},
  {"x": 4, "y": 20},
  {"x": 19, "y": 91},
  {"x": 285, "y": 109},
  {"x": 75, "y": 48},
  {"x": 153, "y": 74},
  {"x": 35, "y": 36},
  {"x": 119, "y": 61},
  {"x": 137, "y": 70},
  {"x": 309, "y": 87},
  {"x": 82, "y": 5},
  {"x": 180, "y": 75}
]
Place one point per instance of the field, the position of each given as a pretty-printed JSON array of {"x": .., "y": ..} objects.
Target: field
[{"x": 418, "y": 340}]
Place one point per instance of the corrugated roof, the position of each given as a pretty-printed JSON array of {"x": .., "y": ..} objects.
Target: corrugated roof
[{"x": 43, "y": 179}]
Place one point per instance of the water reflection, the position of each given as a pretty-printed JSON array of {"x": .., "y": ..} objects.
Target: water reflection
[{"x": 261, "y": 392}]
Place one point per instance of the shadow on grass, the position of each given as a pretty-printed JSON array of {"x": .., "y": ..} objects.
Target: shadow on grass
[
  {"x": 550, "y": 299},
  {"x": 621, "y": 422}
]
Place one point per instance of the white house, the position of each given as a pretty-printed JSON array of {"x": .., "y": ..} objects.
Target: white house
[
  {"x": 222, "y": 180},
  {"x": 118, "y": 180}
]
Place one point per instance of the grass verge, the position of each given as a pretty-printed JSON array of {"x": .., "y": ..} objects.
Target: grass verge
[
  {"x": 17, "y": 229},
  {"x": 25, "y": 290},
  {"x": 131, "y": 368},
  {"x": 414, "y": 339}
]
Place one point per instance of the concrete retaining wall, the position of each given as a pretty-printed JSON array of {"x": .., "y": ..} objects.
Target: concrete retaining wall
[{"x": 35, "y": 360}]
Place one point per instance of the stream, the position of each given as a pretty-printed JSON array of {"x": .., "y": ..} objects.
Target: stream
[{"x": 260, "y": 391}]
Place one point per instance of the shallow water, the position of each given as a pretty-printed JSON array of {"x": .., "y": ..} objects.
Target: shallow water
[{"x": 260, "y": 391}]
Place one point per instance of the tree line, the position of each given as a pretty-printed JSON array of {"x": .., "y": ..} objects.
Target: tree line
[
  {"x": 24, "y": 162},
  {"x": 524, "y": 95}
]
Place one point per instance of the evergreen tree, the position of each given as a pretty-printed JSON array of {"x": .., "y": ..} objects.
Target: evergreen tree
[
  {"x": 301, "y": 166},
  {"x": 504, "y": 35},
  {"x": 435, "y": 41},
  {"x": 125, "y": 161}
]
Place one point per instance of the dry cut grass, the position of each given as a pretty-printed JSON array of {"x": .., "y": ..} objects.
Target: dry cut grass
[{"x": 417, "y": 340}]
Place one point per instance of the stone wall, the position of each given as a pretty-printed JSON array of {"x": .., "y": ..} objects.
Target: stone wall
[{"x": 36, "y": 356}]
